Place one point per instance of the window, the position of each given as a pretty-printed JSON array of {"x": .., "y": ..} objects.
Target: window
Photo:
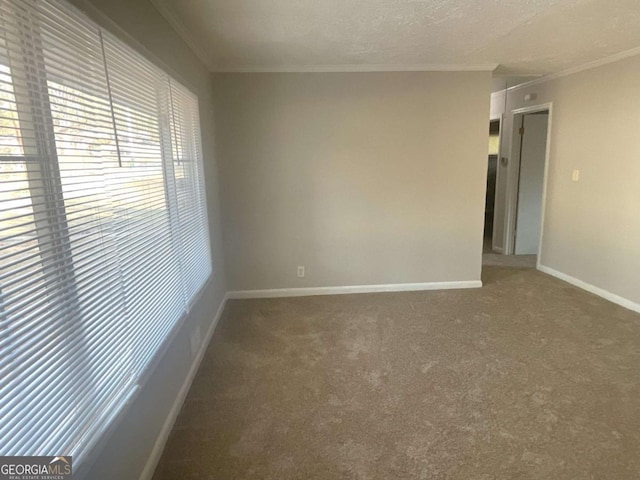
[{"x": 103, "y": 225}]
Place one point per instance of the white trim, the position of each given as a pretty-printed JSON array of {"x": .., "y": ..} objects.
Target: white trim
[
  {"x": 354, "y": 68},
  {"x": 512, "y": 177},
  {"x": 158, "y": 447},
  {"x": 607, "y": 295},
  {"x": 499, "y": 250},
  {"x": 532, "y": 109},
  {"x": 580, "y": 68},
  {"x": 393, "y": 287},
  {"x": 545, "y": 180},
  {"x": 182, "y": 32}
]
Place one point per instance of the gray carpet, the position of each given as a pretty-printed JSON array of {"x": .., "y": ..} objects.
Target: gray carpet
[
  {"x": 499, "y": 260},
  {"x": 526, "y": 378}
]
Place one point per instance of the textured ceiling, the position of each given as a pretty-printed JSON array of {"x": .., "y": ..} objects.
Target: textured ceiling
[{"x": 522, "y": 36}]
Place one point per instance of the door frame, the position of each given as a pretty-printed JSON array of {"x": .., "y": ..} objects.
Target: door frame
[
  {"x": 514, "y": 175},
  {"x": 500, "y": 119}
]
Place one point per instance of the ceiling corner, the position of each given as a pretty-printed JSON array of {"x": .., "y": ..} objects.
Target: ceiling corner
[{"x": 183, "y": 33}]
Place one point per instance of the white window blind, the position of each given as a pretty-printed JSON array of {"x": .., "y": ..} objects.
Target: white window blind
[
  {"x": 103, "y": 231},
  {"x": 189, "y": 188}
]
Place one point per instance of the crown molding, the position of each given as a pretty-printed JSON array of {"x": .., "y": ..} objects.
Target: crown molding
[
  {"x": 183, "y": 33},
  {"x": 355, "y": 68},
  {"x": 580, "y": 68}
]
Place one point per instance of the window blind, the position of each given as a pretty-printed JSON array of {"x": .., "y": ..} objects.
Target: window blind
[
  {"x": 189, "y": 188},
  {"x": 103, "y": 231},
  {"x": 150, "y": 250}
]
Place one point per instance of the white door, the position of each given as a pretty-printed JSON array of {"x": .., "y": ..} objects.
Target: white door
[{"x": 529, "y": 212}]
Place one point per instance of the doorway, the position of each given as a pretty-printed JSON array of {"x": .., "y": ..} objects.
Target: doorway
[
  {"x": 524, "y": 186},
  {"x": 492, "y": 171}
]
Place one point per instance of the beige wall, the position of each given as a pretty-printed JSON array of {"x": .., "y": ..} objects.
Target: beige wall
[
  {"x": 363, "y": 178},
  {"x": 124, "y": 453},
  {"x": 592, "y": 227}
]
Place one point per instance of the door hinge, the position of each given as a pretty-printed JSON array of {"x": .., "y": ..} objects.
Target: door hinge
[{"x": 521, "y": 131}]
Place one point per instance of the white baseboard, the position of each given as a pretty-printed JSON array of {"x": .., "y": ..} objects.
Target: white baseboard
[
  {"x": 394, "y": 287},
  {"x": 161, "y": 441},
  {"x": 612, "y": 297},
  {"x": 499, "y": 250}
]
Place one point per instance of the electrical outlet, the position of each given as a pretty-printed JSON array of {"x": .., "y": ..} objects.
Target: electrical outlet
[
  {"x": 301, "y": 271},
  {"x": 575, "y": 176},
  {"x": 194, "y": 341}
]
